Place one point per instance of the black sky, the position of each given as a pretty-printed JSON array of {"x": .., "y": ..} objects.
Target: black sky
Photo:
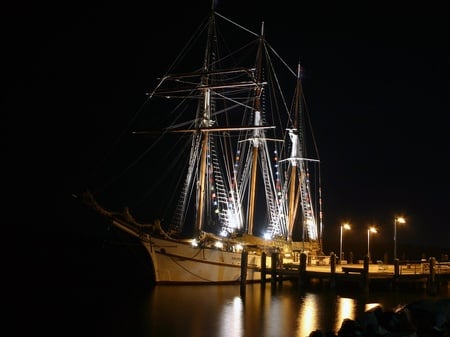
[{"x": 376, "y": 83}]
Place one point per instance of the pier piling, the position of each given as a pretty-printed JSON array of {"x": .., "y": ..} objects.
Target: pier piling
[
  {"x": 332, "y": 270},
  {"x": 263, "y": 268},
  {"x": 431, "y": 284},
  {"x": 365, "y": 274},
  {"x": 396, "y": 273},
  {"x": 274, "y": 274},
  {"x": 302, "y": 270},
  {"x": 244, "y": 263}
]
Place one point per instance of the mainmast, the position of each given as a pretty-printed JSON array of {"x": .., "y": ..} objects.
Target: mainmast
[
  {"x": 204, "y": 123},
  {"x": 256, "y": 139}
]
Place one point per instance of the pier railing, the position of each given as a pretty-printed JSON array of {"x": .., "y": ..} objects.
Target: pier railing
[
  {"x": 423, "y": 267},
  {"x": 430, "y": 273},
  {"x": 404, "y": 267}
]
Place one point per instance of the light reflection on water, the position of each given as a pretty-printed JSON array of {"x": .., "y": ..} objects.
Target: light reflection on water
[
  {"x": 221, "y": 311},
  {"x": 230, "y": 319}
]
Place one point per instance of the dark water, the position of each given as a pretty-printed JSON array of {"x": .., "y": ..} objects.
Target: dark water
[{"x": 218, "y": 310}]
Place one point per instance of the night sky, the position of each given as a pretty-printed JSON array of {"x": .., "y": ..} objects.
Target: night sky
[{"x": 376, "y": 81}]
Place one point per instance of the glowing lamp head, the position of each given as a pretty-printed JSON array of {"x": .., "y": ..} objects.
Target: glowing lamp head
[{"x": 400, "y": 220}]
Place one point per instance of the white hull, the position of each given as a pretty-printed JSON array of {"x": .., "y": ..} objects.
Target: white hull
[{"x": 180, "y": 262}]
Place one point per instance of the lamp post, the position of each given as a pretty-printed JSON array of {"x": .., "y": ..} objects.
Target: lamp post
[
  {"x": 343, "y": 226},
  {"x": 373, "y": 230},
  {"x": 397, "y": 220}
]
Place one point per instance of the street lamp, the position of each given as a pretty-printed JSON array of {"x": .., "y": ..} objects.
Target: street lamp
[
  {"x": 343, "y": 226},
  {"x": 397, "y": 220},
  {"x": 373, "y": 230}
]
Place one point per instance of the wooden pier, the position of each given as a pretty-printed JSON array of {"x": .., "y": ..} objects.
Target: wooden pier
[{"x": 429, "y": 275}]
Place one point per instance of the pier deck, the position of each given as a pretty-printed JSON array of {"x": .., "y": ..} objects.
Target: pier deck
[{"x": 381, "y": 275}]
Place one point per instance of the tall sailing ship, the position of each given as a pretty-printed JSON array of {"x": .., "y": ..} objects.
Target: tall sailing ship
[{"x": 222, "y": 162}]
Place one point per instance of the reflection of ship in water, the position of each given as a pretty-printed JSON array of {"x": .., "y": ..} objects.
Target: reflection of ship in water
[{"x": 229, "y": 168}]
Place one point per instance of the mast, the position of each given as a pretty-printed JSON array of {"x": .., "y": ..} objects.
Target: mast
[
  {"x": 299, "y": 191},
  {"x": 256, "y": 135},
  {"x": 205, "y": 123},
  {"x": 293, "y": 134}
]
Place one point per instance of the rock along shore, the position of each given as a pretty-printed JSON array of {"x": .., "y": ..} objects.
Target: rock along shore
[{"x": 424, "y": 318}]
